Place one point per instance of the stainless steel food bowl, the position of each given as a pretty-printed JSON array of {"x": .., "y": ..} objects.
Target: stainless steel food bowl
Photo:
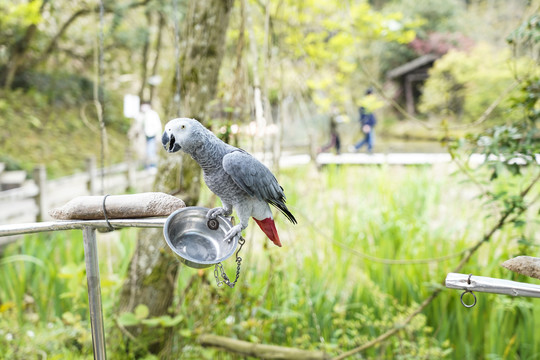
[{"x": 190, "y": 238}]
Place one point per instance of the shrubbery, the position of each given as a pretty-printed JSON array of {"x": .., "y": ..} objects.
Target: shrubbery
[{"x": 463, "y": 85}]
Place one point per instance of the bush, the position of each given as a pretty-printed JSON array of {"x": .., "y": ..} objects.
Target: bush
[
  {"x": 463, "y": 85},
  {"x": 60, "y": 89}
]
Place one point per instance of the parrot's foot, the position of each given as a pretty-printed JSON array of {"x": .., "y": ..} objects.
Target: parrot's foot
[
  {"x": 235, "y": 230},
  {"x": 215, "y": 212}
]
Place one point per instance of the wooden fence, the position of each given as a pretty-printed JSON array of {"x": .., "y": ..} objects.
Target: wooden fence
[{"x": 32, "y": 201}]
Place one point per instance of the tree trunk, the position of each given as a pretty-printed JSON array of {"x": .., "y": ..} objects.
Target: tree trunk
[
  {"x": 18, "y": 55},
  {"x": 144, "y": 61},
  {"x": 153, "y": 270},
  {"x": 161, "y": 24}
]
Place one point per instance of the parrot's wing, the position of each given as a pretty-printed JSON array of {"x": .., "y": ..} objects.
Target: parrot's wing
[{"x": 256, "y": 180}]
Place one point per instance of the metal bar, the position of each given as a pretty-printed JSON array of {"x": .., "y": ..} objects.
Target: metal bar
[
  {"x": 28, "y": 228},
  {"x": 94, "y": 292},
  {"x": 491, "y": 285}
]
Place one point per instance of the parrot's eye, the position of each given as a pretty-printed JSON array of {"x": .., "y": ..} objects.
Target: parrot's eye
[{"x": 183, "y": 127}]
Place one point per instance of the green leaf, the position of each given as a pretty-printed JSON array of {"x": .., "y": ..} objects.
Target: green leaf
[
  {"x": 515, "y": 169},
  {"x": 150, "y": 357},
  {"x": 141, "y": 311},
  {"x": 519, "y": 223},
  {"x": 185, "y": 333},
  {"x": 128, "y": 319},
  {"x": 254, "y": 339},
  {"x": 22, "y": 258},
  {"x": 167, "y": 321},
  {"x": 68, "y": 318},
  {"x": 152, "y": 322}
]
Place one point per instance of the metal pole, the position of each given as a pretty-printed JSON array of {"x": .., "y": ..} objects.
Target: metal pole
[
  {"x": 94, "y": 292},
  {"x": 491, "y": 285},
  {"x": 29, "y": 228}
]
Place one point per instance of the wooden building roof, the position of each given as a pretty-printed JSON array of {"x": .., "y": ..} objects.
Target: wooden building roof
[{"x": 411, "y": 66}]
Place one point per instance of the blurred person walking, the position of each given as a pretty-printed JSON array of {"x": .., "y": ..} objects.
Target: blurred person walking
[
  {"x": 151, "y": 124},
  {"x": 335, "y": 140},
  {"x": 367, "y": 122}
]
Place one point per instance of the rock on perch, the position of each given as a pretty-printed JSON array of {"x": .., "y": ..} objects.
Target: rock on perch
[
  {"x": 118, "y": 206},
  {"x": 524, "y": 265}
]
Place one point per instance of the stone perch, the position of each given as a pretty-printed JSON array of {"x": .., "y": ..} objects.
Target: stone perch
[
  {"x": 118, "y": 206},
  {"x": 524, "y": 265}
]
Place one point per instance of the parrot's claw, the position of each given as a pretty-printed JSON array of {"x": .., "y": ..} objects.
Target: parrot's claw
[
  {"x": 235, "y": 230},
  {"x": 215, "y": 212}
]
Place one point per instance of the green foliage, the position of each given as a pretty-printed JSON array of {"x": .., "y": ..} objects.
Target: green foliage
[
  {"x": 16, "y": 16},
  {"x": 509, "y": 176},
  {"x": 331, "y": 287},
  {"x": 511, "y": 143},
  {"x": 35, "y": 131},
  {"x": 43, "y": 296},
  {"x": 435, "y": 15},
  {"x": 388, "y": 213},
  {"x": 59, "y": 88},
  {"x": 323, "y": 42},
  {"x": 463, "y": 85},
  {"x": 432, "y": 16},
  {"x": 297, "y": 295},
  {"x": 140, "y": 317},
  {"x": 337, "y": 40},
  {"x": 526, "y": 36}
]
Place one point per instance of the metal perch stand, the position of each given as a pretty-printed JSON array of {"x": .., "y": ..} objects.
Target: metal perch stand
[
  {"x": 470, "y": 283},
  {"x": 91, "y": 259}
]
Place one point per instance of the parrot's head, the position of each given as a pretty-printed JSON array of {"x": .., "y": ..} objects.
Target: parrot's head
[{"x": 182, "y": 134}]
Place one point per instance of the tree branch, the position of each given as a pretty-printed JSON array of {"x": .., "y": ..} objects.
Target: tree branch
[
  {"x": 82, "y": 12},
  {"x": 54, "y": 41},
  {"x": 260, "y": 351}
]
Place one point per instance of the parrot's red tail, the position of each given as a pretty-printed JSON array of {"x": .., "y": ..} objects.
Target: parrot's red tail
[{"x": 269, "y": 227}]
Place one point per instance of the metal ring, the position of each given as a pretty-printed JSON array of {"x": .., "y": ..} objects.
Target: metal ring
[
  {"x": 111, "y": 228},
  {"x": 212, "y": 224},
  {"x": 468, "y": 305}
]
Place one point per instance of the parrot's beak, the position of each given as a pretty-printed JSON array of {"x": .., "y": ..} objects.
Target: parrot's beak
[{"x": 169, "y": 143}]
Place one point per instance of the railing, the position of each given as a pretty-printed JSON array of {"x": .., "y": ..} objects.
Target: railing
[{"x": 33, "y": 200}]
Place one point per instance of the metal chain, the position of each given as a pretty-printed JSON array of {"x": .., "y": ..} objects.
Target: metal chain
[{"x": 218, "y": 270}]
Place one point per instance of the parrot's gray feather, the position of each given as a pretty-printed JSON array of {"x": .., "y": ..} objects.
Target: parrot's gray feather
[
  {"x": 248, "y": 173},
  {"x": 256, "y": 180}
]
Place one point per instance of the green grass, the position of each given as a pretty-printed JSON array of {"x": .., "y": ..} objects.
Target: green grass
[{"x": 319, "y": 291}]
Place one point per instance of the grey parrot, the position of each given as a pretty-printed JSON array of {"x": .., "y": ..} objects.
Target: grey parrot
[{"x": 236, "y": 177}]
